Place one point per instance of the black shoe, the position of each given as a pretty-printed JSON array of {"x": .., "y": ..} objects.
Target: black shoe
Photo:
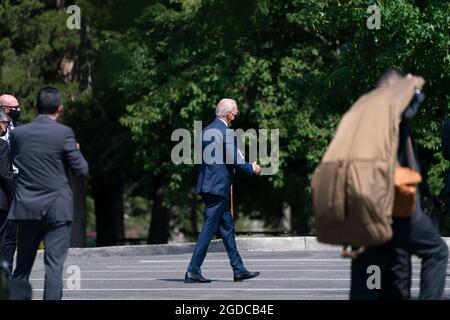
[
  {"x": 191, "y": 277},
  {"x": 245, "y": 275}
]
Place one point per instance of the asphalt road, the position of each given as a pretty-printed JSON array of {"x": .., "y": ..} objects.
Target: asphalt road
[{"x": 294, "y": 275}]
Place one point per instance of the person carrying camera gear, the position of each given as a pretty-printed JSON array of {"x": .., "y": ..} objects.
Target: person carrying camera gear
[
  {"x": 366, "y": 196},
  {"x": 413, "y": 231}
]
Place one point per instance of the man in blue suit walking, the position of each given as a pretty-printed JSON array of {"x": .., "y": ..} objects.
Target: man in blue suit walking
[{"x": 214, "y": 184}]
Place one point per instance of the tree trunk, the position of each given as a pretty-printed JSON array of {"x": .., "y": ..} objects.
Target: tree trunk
[
  {"x": 78, "y": 239},
  {"x": 109, "y": 212},
  {"x": 301, "y": 213},
  {"x": 59, "y": 4},
  {"x": 159, "y": 231},
  {"x": 83, "y": 65},
  {"x": 285, "y": 219}
]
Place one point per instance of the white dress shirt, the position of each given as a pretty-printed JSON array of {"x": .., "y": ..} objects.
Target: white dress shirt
[{"x": 6, "y": 137}]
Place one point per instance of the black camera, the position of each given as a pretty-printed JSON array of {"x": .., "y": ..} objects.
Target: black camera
[{"x": 414, "y": 105}]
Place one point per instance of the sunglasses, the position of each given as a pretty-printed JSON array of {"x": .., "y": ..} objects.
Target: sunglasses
[{"x": 11, "y": 107}]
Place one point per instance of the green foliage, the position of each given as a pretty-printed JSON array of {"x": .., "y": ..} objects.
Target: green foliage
[
  {"x": 156, "y": 66},
  {"x": 296, "y": 66},
  {"x": 34, "y": 40}
]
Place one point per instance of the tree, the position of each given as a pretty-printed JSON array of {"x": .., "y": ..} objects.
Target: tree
[
  {"x": 36, "y": 49},
  {"x": 296, "y": 66},
  {"x": 136, "y": 72},
  {"x": 97, "y": 111}
]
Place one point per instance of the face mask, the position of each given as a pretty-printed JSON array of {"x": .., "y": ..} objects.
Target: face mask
[
  {"x": 14, "y": 114},
  {"x": 234, "y": 119},
  {"x": 3, "y": 133},
  {"x": 230, "y": 122}
]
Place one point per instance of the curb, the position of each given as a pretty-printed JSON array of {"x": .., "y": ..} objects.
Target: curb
[{"x": 244, "y": 244}]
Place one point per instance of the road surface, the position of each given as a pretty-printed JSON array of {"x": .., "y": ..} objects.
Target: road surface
[{"x": 294, "y": 275}]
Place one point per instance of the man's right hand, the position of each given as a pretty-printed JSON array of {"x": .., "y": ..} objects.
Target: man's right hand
[{"x": 256, "y": 168}]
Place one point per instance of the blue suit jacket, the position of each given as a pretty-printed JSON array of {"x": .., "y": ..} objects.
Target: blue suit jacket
[{"x": 217, "y": 177}]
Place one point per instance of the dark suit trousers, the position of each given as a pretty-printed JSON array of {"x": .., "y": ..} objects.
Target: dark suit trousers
[
  {"x": 416, "y": 236},
  {"x": 8, "y": 235},
  {"x": 56, "y": 237},
  {"x": 217, "y": 218}
]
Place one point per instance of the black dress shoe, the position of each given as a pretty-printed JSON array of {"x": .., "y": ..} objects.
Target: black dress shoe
[
  {"x": 191, "y": 277},
  {"x": 245, "y": 275}
]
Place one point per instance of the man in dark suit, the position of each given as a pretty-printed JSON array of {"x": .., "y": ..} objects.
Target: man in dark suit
[
  {"x": 10, "y": 105},
  {"x": 44, "y": 151},
  {"x": 7, "y": 229},
  {"x": 214, "y": 183}
]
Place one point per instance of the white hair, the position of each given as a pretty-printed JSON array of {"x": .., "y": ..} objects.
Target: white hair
[{"x": 224, "y": 106}]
